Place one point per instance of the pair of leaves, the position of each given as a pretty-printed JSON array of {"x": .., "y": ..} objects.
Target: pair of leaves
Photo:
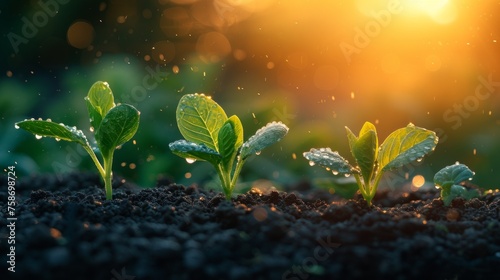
[
  {"x": 113, "y": 125},
  {"x": 210, "y": 134},
  {"x": 449, "y": 179},
  {"x": 213, "y": 137},
  {"x": 399, "y": 148}
]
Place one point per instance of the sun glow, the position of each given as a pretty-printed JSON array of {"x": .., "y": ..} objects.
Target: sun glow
[{"x": 442, "y": 12}]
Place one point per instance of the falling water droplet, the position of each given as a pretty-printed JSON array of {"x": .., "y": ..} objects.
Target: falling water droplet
[
  {"x": 312, "y": 163},
  {"x": 38, "y": 136},
  {"x": 190, "y": 160},
  {"x": 16, "y": 126},
  {"x": 335, "y": 172}
]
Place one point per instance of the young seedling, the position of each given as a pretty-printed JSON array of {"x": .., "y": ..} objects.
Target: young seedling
[
  {"x": 449, "y": 180},
  {"x": 113, "y": 125},
  {"x": 211, "y": 136},
  {"x": 399, "y": 148}
]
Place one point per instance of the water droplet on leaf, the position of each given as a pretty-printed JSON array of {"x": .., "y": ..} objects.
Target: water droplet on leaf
[
  {"x": 335, "y": 172},
  {"x": 38, "y": 136},
  {"x": 190, "y": 160},
  {"x": 258, "y": 152},
  {"x": 312, "y": 163},
  {"x": 16, "y": 126}
]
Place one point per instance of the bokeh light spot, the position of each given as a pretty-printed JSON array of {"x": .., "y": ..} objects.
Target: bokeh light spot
[
  {"x": 239, "y": 54},
  {"x": 213, "y": 47},
  {"x": 418, "y": 181},
  {"x": 80, "y": 34},
  {"x": 121, "y": 19},
  {"x": 260, "y": 214}
]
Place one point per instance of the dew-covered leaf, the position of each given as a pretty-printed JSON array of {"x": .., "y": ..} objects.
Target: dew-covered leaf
[
  {"x": 329, "y": 159},
  {"x": 452, "y": 175},
  {"x": 364, "y": 149},
  {"x": 199, "y": 119},
  {"x": 264, "y": 137},
  {"x": 99, "y": 101},
  {"x": 406, "y": 145},
  {"x": 193, "y": 151},
  {"x": 42, "y": 128},
  {"x": 118, "y": 126},
  {"x": 230, "y": 139}
]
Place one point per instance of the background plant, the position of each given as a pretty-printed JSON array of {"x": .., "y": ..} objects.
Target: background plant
[
  {"x": 399, "y": 148},
  {"x": 212, "y": 136},
  {"x": 113, "y": 125},
  {"x": 449, "y": 180}
]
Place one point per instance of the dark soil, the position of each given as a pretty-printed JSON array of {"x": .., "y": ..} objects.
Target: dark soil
[{"x": 67, "y": 230}]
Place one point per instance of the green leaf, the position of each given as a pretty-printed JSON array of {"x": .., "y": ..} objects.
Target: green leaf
[
  {"x": 364, "y": 149},
  {"x": 264, "y": 137},
  {"x": 230, "y": 140},
  {"x": 406, "y": 145},
  {"x": 352, "y": 138},
  {"x": 452, "y": 175},
  {"x": 454, "y": 191},
  {"x": 48, "y": 128},
  {"x": 192, "y": 151},
  {"x": 199, "y": 119},
  {"x": 99, "y": 101},
  {"x": 331, "y": 160},
  {"x": 118, "y": 126}
]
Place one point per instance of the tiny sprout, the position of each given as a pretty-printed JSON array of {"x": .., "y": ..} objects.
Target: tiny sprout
[
  {"x": 114, "y": 125},
  {"x": 399, "y": 148},
  {"x": 449, "y": 180},
  {"x": 212, "y": 136}
]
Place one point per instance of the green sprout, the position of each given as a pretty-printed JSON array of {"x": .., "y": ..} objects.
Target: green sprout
[
  {"x": 449, "y": 180},
  {"x": 213, "y": 137},
  {"x": 399, "y": 148},
  {"x": 113, "y": 125}
]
